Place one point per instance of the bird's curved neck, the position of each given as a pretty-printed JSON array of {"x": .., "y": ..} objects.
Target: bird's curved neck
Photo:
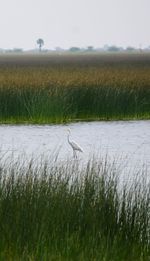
[{"x": 68, "y": 137}]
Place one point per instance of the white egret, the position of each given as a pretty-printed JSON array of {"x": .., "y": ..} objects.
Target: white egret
[{"x": 74, "y": 145}]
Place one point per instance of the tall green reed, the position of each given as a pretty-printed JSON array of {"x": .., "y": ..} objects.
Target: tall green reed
[
  {"x": 57, "y": 89},
  {"x": 67, "y": 212},
  {"x": 62, "y": 104}
]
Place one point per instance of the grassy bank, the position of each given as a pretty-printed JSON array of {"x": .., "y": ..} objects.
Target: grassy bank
[
  {"x": 63, "y": 212},
  {"x": 53, "y": 88}
]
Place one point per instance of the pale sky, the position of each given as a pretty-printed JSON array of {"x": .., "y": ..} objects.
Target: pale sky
[{"x": 67, "y": 23}]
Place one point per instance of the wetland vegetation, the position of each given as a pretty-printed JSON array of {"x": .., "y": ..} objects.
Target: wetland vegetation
[
  {"x": 62, "y": 211},
  {"x": 60, "y": 88}
]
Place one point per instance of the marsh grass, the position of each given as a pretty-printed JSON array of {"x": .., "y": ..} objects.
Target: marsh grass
[
  {"x": 47, "y": 88},
  {"x": 57, "y": 211}
]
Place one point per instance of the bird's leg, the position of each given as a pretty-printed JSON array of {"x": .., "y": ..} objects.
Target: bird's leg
[{"x": 74, "y": 154}]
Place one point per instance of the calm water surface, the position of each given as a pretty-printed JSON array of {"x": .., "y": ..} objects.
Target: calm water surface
[{"x": 128, "y": 141}]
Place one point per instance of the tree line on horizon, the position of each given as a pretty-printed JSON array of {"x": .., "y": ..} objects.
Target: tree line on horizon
[{"x": 74, "y": 49}]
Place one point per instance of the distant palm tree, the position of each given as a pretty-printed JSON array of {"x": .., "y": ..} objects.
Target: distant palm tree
[{"x": 40, "y": 42}]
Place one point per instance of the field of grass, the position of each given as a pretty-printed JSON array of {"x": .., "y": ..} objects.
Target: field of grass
[
  {"x": 65, "y": 212},
  {"x": 58, "y": 88}
]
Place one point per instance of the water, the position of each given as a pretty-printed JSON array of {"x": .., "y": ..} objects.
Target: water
[{"x": 127, "y": 142}]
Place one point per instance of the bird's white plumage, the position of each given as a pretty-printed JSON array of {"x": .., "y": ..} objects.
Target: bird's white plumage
[{"x": 75, "y": 146}]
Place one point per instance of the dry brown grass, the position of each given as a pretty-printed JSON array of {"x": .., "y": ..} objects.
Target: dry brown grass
[{"x": 105, "y": 77}]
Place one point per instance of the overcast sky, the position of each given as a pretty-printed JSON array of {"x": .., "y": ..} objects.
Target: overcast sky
[{"x": 80, "y": 23}]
